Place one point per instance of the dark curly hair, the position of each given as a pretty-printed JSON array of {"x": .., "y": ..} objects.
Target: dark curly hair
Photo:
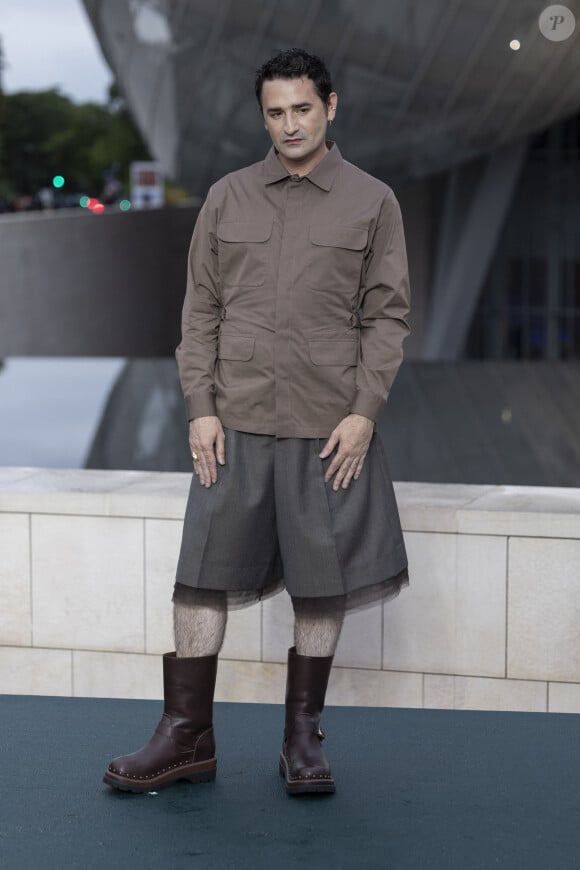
[{"x": 295, "y": 63}]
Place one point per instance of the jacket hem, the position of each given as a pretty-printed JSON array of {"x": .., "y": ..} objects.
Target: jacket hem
[{"x": 322, "y": 430}]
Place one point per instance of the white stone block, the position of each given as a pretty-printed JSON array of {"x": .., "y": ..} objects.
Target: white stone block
[
  {"x": 15, "y": 615},
  {"x": 87, "y": 583},
  {"x": 64, "y": 491},
  {"x": 94, "y": 492},
  {"x": 433, "y": 507},
  {"x": 35, "y": 671},
  {"x": 366, "y": 688},
  {"x": 117, "y": 675},
  {"x": 480, "y": 647},
  {"x": 451, "y": 619},
  {"x": 243, "y": 640},
  {"x": 162, "y": 543},
  {"x": 544, "y": 609},
  {"x": 11, "y": 475},
  {"x": 535, "y": 511},
  {"x": 418, "y": 623},
  {"x": 157, "y": 494},
  {"x": 361, "y": 639},
  {"x": 477, "y": 693},
  {"x": 359, "y": 644},
  {"x": 250, "y": 682},
  {"x": 564, "y": 697},
  {"x": 277, "y": 627}
]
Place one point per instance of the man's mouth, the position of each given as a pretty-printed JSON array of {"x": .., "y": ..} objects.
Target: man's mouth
[{"x": 292, "y": 141}]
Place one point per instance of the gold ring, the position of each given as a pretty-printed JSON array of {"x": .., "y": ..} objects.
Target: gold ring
[{"x": 195, "y": 457}]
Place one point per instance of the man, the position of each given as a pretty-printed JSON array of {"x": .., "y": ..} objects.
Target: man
[{"x": 294, "y": 317}]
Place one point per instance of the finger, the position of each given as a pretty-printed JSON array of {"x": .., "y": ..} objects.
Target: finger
[
  {"x": 195, "y": 454},
  {"x": 329, "y": 446},
  {"x": 211, "y": 466},
  {"x": 334, "y": 466},
  {"x": 204, "y": 475},
  {"x": 359, "y": 467},
  {"x": 341, "y": 474},
  {"x": 221, "y": 448},
  {"x": 349, "y": 474}
]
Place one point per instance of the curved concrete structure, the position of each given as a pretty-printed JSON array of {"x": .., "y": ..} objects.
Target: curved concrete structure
[
  {"x": 425, "y": 84},
  {"x": 75, "y": 284}
]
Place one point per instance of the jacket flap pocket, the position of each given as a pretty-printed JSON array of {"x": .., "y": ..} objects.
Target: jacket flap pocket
[
  {"x": 352, "y": 238},
  {"x": 238, "y": 347},
  {"x": 244, "y": 231},
  {"x": 333, "y": 352}
]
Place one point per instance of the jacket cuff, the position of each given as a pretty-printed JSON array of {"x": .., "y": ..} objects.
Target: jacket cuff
[
  {"x": 200, "y": 405},
  {"x": 367, "y": 405}
]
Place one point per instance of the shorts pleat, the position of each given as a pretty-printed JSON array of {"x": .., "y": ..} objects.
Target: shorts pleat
[{"x": 271, "y": 521}]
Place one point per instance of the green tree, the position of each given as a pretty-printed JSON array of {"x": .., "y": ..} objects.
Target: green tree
[{"x": 45, "y": 134}]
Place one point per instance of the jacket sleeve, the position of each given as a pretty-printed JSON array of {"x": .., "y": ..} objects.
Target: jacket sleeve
[
  {"x": 383, "y": 312},
  {"x": 197, "y": 351}
]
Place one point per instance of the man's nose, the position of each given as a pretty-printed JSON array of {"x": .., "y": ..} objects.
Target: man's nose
[{"x": 290, "y": 123}]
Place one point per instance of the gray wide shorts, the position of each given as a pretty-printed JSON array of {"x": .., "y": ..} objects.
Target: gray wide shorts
[{"x": 271, "y": 521}]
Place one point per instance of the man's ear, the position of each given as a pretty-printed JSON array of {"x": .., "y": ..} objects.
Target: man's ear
[{"x": 332, "y": 104}]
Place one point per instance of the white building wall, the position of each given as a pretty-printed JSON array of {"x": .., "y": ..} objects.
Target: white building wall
[{"x": 490, "y": 621}]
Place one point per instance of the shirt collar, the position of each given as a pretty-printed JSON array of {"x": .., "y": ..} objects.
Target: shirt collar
[{"x": 322, "y": 175}]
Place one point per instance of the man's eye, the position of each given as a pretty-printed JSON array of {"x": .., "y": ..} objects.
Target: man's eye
[{"x": 275, "y": 114}]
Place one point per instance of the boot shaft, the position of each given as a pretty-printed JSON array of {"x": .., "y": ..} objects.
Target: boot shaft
[
  {"x": 189, "y": 686},
  {"x": 306, "y": 685}
]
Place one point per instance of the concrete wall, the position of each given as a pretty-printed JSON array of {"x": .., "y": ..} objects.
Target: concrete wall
[
  {"x": 491, "y": 619},
  {"x": 78, "y": 284}
]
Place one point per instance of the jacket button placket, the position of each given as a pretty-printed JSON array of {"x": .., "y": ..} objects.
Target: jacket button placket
[{"x": 291, "y": 232}]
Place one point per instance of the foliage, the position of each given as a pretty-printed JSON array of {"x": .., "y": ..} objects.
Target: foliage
[{"x": 43, "y": 134}]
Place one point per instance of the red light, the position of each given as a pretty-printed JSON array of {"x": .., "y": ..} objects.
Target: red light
[{"x": 95, "y": 205}]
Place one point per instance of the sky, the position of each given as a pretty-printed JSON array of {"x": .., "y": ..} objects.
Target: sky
[{"x": 50, "y": 43}]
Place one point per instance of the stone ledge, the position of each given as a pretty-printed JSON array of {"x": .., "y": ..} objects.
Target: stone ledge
[{"x": 552, "y": 512}]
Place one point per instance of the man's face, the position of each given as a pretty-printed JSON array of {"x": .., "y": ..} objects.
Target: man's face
[{"x": 296, "y": 119}]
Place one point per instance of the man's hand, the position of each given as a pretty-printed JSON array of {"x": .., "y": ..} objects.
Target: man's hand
[
  {"x": 207, "y": 442},
  {"x": 351, "y": 437}
]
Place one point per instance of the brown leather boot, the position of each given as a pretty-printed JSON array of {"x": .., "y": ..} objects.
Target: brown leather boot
[
  {"x": 303, "y": 763},
  {"x": 183, "y": 745}
]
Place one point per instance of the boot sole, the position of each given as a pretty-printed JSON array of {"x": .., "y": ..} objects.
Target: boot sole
[
  {"x": 312, "y": 786},
  {"x": 201, "y": 771}
]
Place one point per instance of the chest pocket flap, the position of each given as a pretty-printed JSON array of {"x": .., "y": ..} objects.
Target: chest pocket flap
[
  {"x": 244, "y": 231},
  {"x": 335, "y": 236}
]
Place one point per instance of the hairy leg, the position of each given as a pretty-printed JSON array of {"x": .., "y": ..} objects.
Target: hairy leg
[
  {"x": 317, "y": 624},
  {"x": 199, "y": 621}
]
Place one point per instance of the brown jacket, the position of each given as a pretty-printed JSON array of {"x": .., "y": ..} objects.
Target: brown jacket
[{"x": 297, "y": 299}]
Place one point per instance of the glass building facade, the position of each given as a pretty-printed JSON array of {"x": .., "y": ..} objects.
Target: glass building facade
[{"x": 530, "y": 306}]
